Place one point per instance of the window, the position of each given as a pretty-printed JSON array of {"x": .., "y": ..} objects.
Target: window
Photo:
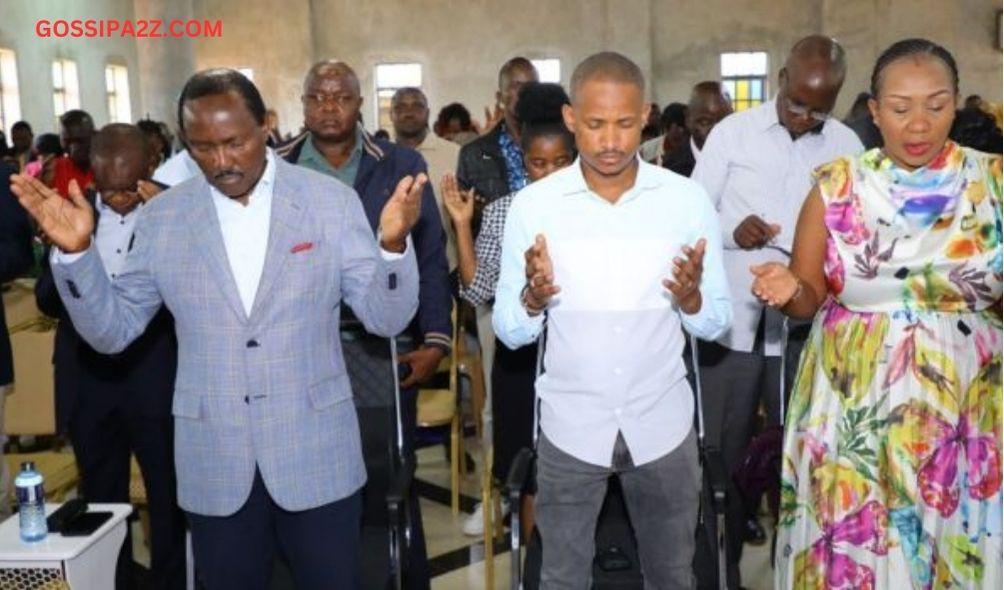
[
  {"x": 548, "y": 69},
  {"x": 744, "y": 76},
  {"x": 10, "y": 98},
  {"x": 65, "y": 88},
  {"x": 117, "y": 85},
  {"x": 390, "y": 77}
]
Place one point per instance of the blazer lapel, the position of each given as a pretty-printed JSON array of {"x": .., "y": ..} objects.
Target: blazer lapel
[
  {"x": 285, "y": 228},
  {"x": 207, "y": 236}
]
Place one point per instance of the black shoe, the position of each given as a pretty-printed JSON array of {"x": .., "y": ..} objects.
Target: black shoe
[
  {"x": 613, "y": 559},
  {"x": 753, "y": 532}
]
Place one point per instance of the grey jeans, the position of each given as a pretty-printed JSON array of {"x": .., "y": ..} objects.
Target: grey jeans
[{"x": 662, "y": 500}]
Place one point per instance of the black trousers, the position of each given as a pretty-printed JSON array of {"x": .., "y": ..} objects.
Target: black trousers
[
  {"x": 237, "y": 551},
  {"x": 513, "y": 375},
  {"x": 104, "y": 435}
]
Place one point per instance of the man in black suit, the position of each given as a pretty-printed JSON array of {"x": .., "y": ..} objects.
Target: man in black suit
[
  {"x": 15, "y": 259},
  {"x": 117, "y": 405}
]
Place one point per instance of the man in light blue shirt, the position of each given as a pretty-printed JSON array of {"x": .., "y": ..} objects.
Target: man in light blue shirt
[
  {"x": 620, "y": 254},
  {"x": 757, "y": 168}
]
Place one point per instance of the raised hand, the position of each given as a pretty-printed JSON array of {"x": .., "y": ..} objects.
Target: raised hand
[
  {"x": 687, "y": 272},
  {"x": 401, "y": 212},
  {"x": 774, "y": 284},
  {"x": 754, "y": 233},
  {"x": 540, "y": 287},
  {"x": 67, "y": 223},
  {"x": 459, "y": 204},
  {"x": 492, "y": 118}
]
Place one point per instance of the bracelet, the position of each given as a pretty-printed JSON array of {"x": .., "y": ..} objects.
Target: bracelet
[
  {"x": 524, "y": 300},
  {"x": 798, "y": 291}
]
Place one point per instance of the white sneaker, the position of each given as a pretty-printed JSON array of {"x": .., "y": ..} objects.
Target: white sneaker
[{"x": 474, "y": 525}]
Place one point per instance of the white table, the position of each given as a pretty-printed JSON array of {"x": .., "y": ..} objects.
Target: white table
[{"x": 85, "y": 563}]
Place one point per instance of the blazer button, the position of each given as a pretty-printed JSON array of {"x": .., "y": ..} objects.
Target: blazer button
[
  {"x": 252, "y": 343},
  {"x": 247, "y": 400}
]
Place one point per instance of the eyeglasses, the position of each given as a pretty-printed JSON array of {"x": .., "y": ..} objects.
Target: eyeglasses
[
  {"x": 801, "y": 111},
  {"x": 319, "y": 99}
]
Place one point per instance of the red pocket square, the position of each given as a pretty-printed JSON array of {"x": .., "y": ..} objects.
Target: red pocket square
[{"x": 302, "y": 247}]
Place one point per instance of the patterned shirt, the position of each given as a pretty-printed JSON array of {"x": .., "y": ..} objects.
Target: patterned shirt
[
  {"x": 513, "y": 154},
  {"x": 488, "y": 250}
]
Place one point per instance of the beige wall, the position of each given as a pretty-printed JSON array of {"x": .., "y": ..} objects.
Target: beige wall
[
  {"x": 35, "y": 56},
  {"x": 461, "y": 45}
]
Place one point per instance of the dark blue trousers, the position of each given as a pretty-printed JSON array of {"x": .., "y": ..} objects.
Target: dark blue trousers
[{"x": 321, "y": 544}]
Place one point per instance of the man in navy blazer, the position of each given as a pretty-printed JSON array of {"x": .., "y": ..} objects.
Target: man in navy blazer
[{"x": 254, "y": 259}]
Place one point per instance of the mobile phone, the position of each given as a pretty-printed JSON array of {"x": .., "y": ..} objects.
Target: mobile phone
[{"x": 85, "y": 524}]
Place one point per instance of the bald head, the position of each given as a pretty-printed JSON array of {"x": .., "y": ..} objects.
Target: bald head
[
  {"x": 331, "y": 102},
  {"x": 809, "y": 84},
  {"x": 517, "y": 66},
  {"x": 120, "y": 158},
  {"x": 331, "y": 68},
  {"x": 119, "y": 140},
  {"x": 606, "y": 66},
  {"x": 817, "y": 56},
  {"x": 408, "y": 93},
  {"x": 708, "y": 105}
]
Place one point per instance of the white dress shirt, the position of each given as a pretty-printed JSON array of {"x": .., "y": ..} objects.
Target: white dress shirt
[
  {"x": 177, "y": 169},
  {"x": 113, "y": 236},
  {"x": 245, "y": 231},
  {"x": 614, "y": 346},
  {"x": 750, "y": 166}
]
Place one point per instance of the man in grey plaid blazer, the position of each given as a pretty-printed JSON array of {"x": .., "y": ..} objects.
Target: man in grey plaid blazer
[{"x": 267, "y": 441}]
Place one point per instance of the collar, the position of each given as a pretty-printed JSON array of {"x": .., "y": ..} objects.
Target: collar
[
  {"x": 768, "y": 115},
  {"x": 104, "y": 209},
  {"x": 647, "y": 179},
  {"x": 264, "y": 187}
]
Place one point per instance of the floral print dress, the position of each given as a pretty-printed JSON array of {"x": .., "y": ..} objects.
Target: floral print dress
[{"x": 892, "y": 451}]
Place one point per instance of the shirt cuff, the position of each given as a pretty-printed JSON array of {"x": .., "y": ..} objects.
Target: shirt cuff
[
  {"x": 392, "y": 256},
  {"x": 57, "y": 256}
]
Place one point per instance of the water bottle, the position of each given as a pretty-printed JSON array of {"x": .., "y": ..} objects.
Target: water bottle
[{"x": 31, "y": 503}]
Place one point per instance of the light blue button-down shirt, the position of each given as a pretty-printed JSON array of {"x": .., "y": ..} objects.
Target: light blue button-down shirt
[
  {"x": 750, "y": 165},
  {"x": 614, "y": 341}
]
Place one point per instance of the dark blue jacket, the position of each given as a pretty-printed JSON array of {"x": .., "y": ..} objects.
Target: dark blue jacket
[
  {"x": 15, "y": 258},
  {"x": 382, "y": 166}
]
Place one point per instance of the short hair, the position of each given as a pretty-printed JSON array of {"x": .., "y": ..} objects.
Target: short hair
[
  {"x": 819, "y": 48},
  {"x": 538, "y": 111},
  {"x": 401, "y": 92},
  {"x": 221, "y": 81},
  {"x": 47, "y": 144},
  {"x": 454, "y": 110},
  {"x": 116, "y": 136},
  {"x": 913, "y": 48},
  {"x": 20, "y": 125},
  {"x": 516, "y": 63},
  {"x": 675, "y": 113},
  {"x": 335, "y": 65},
  {"x": 75, "y": 117},
  {"x": 607, "y": 65}
]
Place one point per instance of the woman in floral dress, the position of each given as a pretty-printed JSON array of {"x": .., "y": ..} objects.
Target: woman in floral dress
[{"x": 892, "y": 452}]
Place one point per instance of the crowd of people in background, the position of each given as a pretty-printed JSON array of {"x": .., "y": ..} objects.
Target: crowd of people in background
[{"x": 630, "y": 228}]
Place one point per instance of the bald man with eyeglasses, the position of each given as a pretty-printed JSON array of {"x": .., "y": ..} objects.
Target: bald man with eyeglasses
[{"x": 757, "y": 166}]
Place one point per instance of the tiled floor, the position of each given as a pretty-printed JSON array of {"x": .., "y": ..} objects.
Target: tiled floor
[{"x": 443, "y": 535}]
